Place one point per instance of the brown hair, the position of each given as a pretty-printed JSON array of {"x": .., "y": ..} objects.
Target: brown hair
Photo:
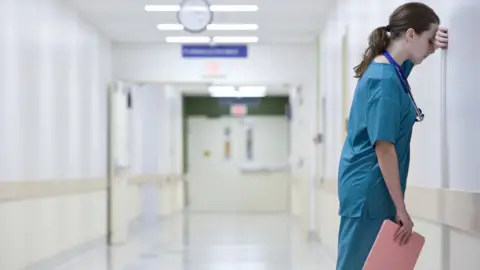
[{"x": 417, "y": 16}]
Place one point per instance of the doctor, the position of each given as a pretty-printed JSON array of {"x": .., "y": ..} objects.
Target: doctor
[{"x": 375, "y": 158}]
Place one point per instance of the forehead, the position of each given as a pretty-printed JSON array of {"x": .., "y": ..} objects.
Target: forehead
[{"x": 432, "y": 31}]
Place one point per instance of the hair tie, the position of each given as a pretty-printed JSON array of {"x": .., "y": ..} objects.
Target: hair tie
[{"x": 387, "y": 28}]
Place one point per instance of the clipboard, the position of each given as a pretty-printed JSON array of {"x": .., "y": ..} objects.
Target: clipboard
[{"x": 388, "y": 254}]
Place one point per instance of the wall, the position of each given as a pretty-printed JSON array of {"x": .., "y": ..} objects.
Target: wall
[
  {"x": 53, "y": 78},
  {"x": 437, "y": 191}
]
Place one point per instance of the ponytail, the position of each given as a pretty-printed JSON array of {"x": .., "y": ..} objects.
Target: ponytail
[{"x": 377, "y": 44}]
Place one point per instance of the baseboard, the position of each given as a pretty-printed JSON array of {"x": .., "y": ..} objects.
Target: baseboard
[{"x": 67, "y": 255}]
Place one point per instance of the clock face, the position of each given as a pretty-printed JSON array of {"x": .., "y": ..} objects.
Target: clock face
[{"x": 195, "y": 15}]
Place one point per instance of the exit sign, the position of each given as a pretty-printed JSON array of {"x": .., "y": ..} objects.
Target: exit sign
[{"x": 238, "y": 109}]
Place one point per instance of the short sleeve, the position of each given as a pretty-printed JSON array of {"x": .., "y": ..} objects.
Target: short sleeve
[
  {"x": 383, "y": 117},
  {"x": 407, "y": 67}
]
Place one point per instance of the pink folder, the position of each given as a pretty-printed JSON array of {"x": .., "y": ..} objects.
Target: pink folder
[{"x": 388, "y": 254}]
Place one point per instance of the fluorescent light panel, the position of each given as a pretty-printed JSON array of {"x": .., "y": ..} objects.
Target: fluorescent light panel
[
  {"x": 214, "y": 8},
  {"x": 170, "y": 27},
  {"x": 187, "y": 39},
  {"x": 227, "y": 39},
  {"x": 232, "y": 27},
  {"x": 243, "y": 91},
  {"x": 211, "y": 27},
  {"x": 234, "y": 8},
  {"x": 220, "y": 39},
  {"x": 162, "y": 8}
]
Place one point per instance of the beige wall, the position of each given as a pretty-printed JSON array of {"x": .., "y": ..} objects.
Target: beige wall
[{"x": 42, "y": 220}]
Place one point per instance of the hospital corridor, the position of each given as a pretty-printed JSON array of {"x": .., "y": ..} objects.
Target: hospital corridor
[{"x": 207, "y": 135}]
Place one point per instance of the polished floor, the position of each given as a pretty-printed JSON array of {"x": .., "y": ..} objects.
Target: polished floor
[{"x": 209, "y": 242}]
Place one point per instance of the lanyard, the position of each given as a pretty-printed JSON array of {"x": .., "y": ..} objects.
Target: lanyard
[
  {"x": 400, "y": 72},
  {"x": 406, "y": 86}
]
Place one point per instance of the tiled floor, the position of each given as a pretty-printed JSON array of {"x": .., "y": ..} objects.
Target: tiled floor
[{"x": 210, "y": 242}]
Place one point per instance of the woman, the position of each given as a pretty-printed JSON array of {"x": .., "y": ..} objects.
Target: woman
[{"x": 375, "y": 158}]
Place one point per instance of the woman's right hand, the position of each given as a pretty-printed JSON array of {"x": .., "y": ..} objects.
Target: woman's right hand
[{"x": 403, "y": 234}]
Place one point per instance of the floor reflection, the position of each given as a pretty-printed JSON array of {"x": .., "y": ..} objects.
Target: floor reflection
[{"x": 209, "y": 242}]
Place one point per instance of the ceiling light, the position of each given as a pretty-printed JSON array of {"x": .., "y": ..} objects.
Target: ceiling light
[
  {"x": 252, "y": 88},
  {"x": 211, "y": 27},
  {"x": 187, "y": 39},
  {"x": 152, "y": 8},
  {"x": 253, "y": 91},
  {"x": 242, "y": 92},
  {"x": 234, "y": 8},
  {"x": 214, "y": 8},
  {"x": 232, "y": 27},
  {"x": 168, "y": 27},
  {"x": 237, "y": 95},
  {"x": 221, "y": 88},
  {"x": 235, "y": 39}
]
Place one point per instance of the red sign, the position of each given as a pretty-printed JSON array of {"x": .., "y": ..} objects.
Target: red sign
[{"x": 238, "y": 109}]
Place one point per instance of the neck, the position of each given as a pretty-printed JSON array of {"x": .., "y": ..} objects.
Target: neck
[{"x": 396, "y": 51}]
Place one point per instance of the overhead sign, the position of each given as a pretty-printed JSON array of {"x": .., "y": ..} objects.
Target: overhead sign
[{"x": 214, "y": 51}]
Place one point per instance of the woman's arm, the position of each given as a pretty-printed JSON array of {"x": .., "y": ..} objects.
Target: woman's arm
[{"x": 388, "y": 162}]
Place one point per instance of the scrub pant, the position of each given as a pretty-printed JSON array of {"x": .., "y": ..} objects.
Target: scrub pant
[{"x": 355, "y": 239}]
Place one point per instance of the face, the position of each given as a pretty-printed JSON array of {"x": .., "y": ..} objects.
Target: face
[{"x": 420, "y": 46}]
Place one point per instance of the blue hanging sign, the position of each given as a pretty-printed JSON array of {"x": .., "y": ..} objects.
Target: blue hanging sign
[{"x": 214, "y": 51}]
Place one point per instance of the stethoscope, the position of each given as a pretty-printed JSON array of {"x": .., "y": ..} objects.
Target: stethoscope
[{"x": 406, "y": 85}]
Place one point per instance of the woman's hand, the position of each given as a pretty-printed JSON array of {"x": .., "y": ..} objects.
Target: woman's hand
[
  {"x": 441, "y": 38},
  {"x": 403, "y": 234}
]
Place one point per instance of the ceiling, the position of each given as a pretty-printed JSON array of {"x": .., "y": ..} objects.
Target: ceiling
[{"x": 280, "y": 21}]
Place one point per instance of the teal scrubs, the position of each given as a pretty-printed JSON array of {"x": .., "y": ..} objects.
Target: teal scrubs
[{"x": 381, "y": 110}]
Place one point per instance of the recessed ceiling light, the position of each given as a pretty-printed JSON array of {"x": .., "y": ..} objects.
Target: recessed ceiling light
[
  {"x": 221, "y": 88},
  {"x": 187, "y": 39},
  {"x": 211, "y": 27},
  {"x": 232, "y": 27},
  {"x": 226, "y": 39},
  {"x": 173, "y": 27},
  {"x": 214, "y": 8},
  {"x": 156, "y": 8},
  {"x": 242, "y": 91},
  {"x": 203, "y": 39},
  {"x": 234, "y": 8}
]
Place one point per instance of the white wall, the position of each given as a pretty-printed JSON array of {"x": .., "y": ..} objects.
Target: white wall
[
  {"x": 54, "y": 71},
  {"x": 358, "y": 20},
  {"x": 53, "y": 75}
]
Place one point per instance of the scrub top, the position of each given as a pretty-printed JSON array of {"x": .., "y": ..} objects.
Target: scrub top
[{"x": 381, "y": 110}]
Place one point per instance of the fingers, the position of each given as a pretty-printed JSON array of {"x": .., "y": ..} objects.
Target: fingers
[
  {"x": 442, "y": 32},
  {"x": 441, "y": 38},
  {"x": 402, "y": 235}
]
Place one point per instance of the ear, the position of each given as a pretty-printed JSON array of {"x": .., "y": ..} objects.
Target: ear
[{"x": 410, "y": 34}]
